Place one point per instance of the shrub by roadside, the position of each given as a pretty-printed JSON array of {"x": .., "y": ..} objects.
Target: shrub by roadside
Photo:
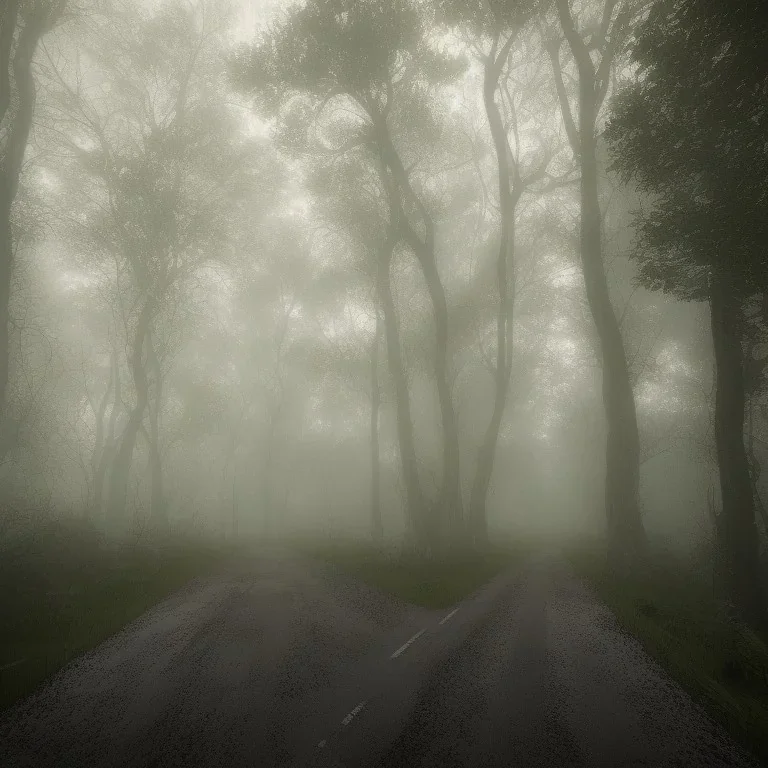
[
  {"x": 673, "y": 611},
  {"x": 64, "y": 589}
]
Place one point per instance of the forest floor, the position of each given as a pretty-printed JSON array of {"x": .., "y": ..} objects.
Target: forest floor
[
  {"x": 63, "y": 591},
  {"x": 278, "y": 660},
  {"x": 671, "y": 610},
  {"x": 436, "y": 582}
]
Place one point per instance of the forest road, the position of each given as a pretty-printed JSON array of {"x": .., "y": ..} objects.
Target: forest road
[{"x": 277, "y": 662}]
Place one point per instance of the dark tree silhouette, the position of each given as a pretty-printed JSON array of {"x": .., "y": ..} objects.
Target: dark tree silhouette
[{"x": 691, "y": 130}]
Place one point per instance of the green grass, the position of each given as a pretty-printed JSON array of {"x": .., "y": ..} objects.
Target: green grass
[
  {"x": 62, "y": 592},
  {"x": 671, "y": 610},
  {"x": 436, "y": 582}
]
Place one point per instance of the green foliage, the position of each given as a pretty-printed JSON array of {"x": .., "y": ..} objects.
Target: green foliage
[
  {"x": 327, "y": 46},
  {"x": 363, "y": 50},
  {"x": 63, "y": 591},
  {"x": 672, "y": 611},
  {"x": 486, "y": 16},
  {"x": 436, "y": 582},
  {"x": 349, "y": 194},
  {"x": 690, "y": 130},
  {"x": 158, "y": 163}
]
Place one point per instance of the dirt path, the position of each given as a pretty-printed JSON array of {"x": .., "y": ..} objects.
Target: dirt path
[
  {"x": 219, "y": 674},
  {"x": 279, "y": 663}
]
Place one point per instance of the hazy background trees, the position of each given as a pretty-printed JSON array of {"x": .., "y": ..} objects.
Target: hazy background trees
[{"x": 377, "y": 268}]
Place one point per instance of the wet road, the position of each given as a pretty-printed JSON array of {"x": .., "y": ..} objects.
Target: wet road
[{"x": 280, "y": 663}]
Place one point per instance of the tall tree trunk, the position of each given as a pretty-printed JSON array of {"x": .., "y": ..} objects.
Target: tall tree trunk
[
  {"x": 449, "y": 512},
  {"x": 275, "y": 414},
  {"x": 751, "y": 378},
  {"x": 9, "y": 14},
  {"x": 234, "y": 496},
  {"x": 413, "y": 493},
  {"x": 738, "y": 530},
  {"x": 507, "y": 205},
  {"x": 447, "y": 517},
  {"x": 108, "y": 452},
  {"x": 626, "y": 535},
  {"x": 14, "y": 149},
  {"x": 755, "y": 469},
  {"x": 6, "y": 271},
  {"x": 266, "y": 487},
  {"x": 121, "y": 467},
  {"x": 99, "y": 442},
  {"x": 157, "y": 508},
  {"x": 376, "y": 526}
]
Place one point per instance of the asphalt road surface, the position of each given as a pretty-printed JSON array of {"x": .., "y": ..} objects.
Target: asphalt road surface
[{"x": 277, "y": 662}]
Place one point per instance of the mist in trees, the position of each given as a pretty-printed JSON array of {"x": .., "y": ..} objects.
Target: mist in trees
[{"x": 426, "y": 271}]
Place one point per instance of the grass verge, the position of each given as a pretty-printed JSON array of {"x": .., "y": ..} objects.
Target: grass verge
[
  {"x": 436, "y": 582},
  {"x": 63, "y": 592},
  {"x": 672, "y": 611}
]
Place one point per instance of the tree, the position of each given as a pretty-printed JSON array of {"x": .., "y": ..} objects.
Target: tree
[
  {"x": 691, "y": 131},
  {"x": 502, "y": 24},
  {"x": 160, "y": 177},
  {"x": 376, "y": 59},
  {"x": 22, "y": 24},
  {"x": 376, "y": 525},
  {"x": 349, "y": 197},
  {"x": 625, "y": 527}
]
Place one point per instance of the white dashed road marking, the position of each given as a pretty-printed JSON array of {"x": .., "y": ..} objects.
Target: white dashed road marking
[
  {"x": 12, "y": 664},
  {"x": 348, "y": 719},
  {"x": 406, "y": 645},
  {"x": 445, "y": 618}
]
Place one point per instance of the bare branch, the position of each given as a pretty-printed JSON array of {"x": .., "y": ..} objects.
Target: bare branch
[
  {"x": 565, "y": 107},
  {"x": 8, "y": 16}
]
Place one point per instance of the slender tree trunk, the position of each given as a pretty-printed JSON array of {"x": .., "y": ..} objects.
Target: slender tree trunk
[
  {"x": 121, "y": 468},
  {"x": 626, "y": 535},
  {"x": 9, "y": 14},
  {"x": 755, "y": 469},
  {"x": 622, "y": 478},
  {"x": 118, "y": 481},
  {"x": 413, "y": 492},
  {"x": 99, "y": 480},
  {"x": 13, "y": 154},
  {"x": 738, "y": 530},
  {"x": 99, "y": 439},
  {"x": 449, "y": 512},
  {"x": 108, "y": 452},
  {"x": 266, "y": 488},
  {"x": 100, "y": 444},
  {"x": 274, "y": 417},
  {"x": 507, "y": 204},
  {"x": 157, "y": 498},
  {"x": 447, "y": 517},
  {"x": 376, "y": 526},
  {"x": 6, "y": 272},
  {"x": 234, "y": 496}
]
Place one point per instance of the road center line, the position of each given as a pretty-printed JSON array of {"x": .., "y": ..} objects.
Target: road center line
[
  {"x": 12, "y": 664},
  {"x": 406, "y": 645},
  {"x": 348, "y": 719},
  {"x": 445, "y": 618}
]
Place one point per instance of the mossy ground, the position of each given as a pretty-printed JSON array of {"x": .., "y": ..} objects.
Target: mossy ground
[
  {"x": 438, "y": 581},
  {"x": 671, "y": 609},
  {"x": 63, "y": 591}
]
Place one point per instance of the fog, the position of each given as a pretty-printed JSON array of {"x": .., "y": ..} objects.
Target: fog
[
  {"x": 255, "y": 282},
  {"x": 383, "y": 383}
]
